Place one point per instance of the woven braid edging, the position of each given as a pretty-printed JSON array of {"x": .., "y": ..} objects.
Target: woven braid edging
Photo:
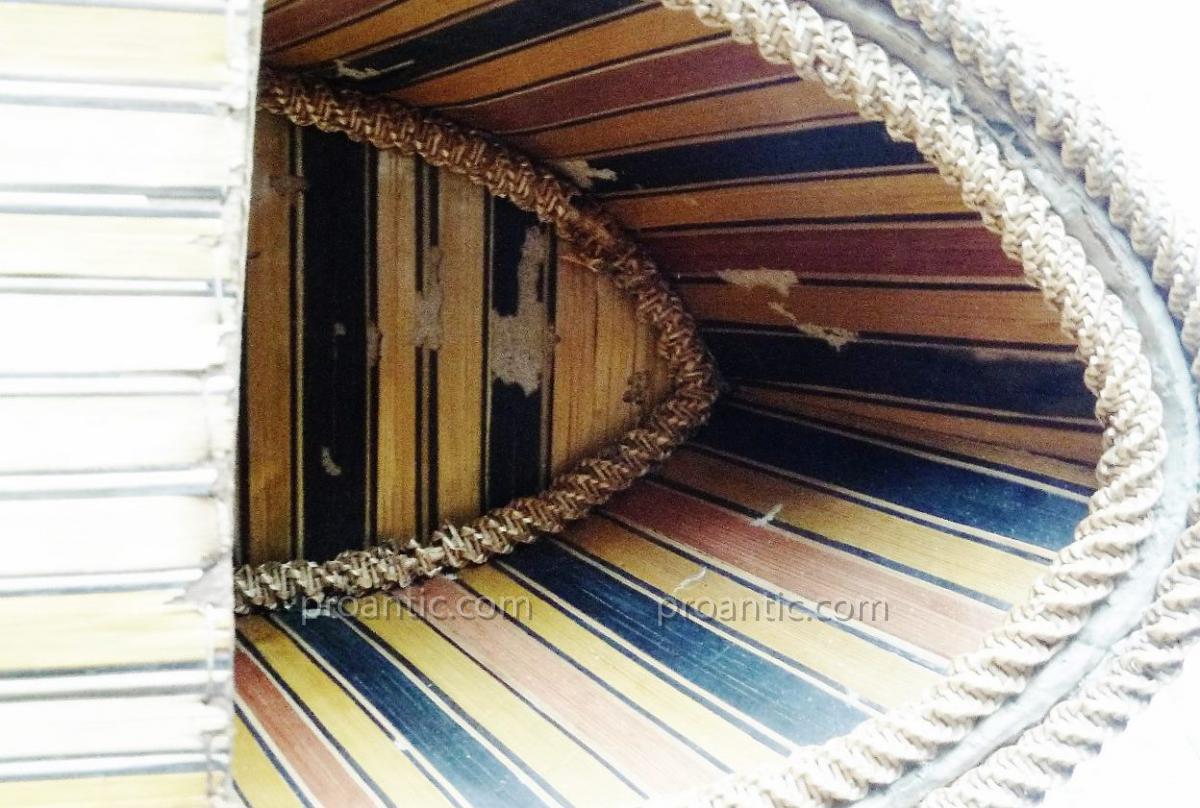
[
  {"x": 1153, "y": 654},
  {"x": 594, "y": 239},
  {"x": 881, "y": 749},
  {"x": 1041, "y": 92}
]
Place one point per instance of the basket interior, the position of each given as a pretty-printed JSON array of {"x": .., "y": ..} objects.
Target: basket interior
[{"x": 904, "y": 442}]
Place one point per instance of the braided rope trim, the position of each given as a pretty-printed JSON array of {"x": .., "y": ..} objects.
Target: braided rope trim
[
  {"x": 593, "y": 238},
  {"x": 1041, "y": 92},
  {"x": 1075, "y": 729},
  {"x": 881, "y": 749}
]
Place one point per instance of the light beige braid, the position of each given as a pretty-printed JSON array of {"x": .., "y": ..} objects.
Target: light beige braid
[
  {"x": 591, "y": 237},
  {"x": 1075, "y": 729},
  {"x": 881, "y": 749}
]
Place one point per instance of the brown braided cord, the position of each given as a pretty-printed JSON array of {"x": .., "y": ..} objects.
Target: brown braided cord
[{"x": 594, "y": 239}]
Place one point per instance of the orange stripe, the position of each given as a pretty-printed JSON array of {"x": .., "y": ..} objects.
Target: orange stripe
[
  {"x": 836, "y": 197},
  {"x": 623, "y": 38},
  {"x": 323, "y": 773},
  {"x": 678, "y": 73},
  {"x": 919, "y": 613},
  {"x": 386, "y": 26},
  {"x": 645, "y": 753},
  {"x": 955, "y": 313}
]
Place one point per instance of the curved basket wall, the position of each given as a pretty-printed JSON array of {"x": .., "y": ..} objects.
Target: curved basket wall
[{"x": 939, "y": 510}]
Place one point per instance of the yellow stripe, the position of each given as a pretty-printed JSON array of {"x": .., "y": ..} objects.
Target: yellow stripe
[
  {"x": 256, "y": 777},
  {"x": 620, "y": 39},
  {"x": 959, "y": 314},
  {"x": 70, "y": 41},
  {"x": 374, "y": 752},
  {"x": 975, "y": 566},
  {"x": 879, "y": 675},
  {"x": 1009, "y": 444},
  {"x": 667, "y": 704},
  {"x": 603, "y": 363},
  {"x": 460, "y": 353},
  {"x": 563, "y": 763},
  {"x": 105, "y": 629},
  {"x": 893, "y": 194},
  {"x": 396, "y": 315},
  {"x": 268, "y": 348},
  {"x": 182, "y": 790}
]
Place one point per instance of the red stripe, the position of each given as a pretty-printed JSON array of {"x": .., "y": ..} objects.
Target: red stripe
[
  {"x": 904, "y": 251},
  {"x": 302, "y": 20},
  {"x": 639, "y": 748},
  {"x": 664, "y": 77},
  {"x": 941, "y": 621},
  {"x": 322, "y": 772}
]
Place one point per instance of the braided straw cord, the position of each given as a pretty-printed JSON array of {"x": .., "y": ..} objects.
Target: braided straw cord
[
  {"x": 881, "y": 749},
  {"x": 1075, "y": 729},
  {"x": 594, "y": 239}
]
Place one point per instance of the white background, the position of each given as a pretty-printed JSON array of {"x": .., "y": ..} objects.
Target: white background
[{"x": 1140, "y": 61}]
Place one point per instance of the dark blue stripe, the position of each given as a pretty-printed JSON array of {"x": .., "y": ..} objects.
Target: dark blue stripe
[
  {"x": 514, "y": 453},
  {"x": 942, "y": 409},
  {"x": 943, "y": 373},
  {"x": 830, "y": 148},
  {"x": 876, "y": 505},
  {"x": 470, "y": 766},
  {"x": 960, "y": 495},
  {"x": 336, "y": 368},
  {"x": 776, "y": 698},
  {"x": 1034, "y": 476},
  {"x": 482, "y": 36}
]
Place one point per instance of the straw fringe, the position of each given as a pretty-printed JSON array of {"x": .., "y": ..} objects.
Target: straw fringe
[{"x": 595, "y": 240}]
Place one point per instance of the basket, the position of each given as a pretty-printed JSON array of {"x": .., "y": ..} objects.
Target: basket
[{"x": 738, "y": 402}]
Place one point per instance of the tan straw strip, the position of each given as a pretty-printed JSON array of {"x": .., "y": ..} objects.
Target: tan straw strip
[{"x": 591, "y": 237}]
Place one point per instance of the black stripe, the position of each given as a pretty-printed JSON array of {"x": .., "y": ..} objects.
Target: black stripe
[
  {"x": 434, "y": 509},
  {"x": 804, "y": 151},
  {"x": 419, "y": 442},
  {"x": 432, "y": 204},
  {"x": 335, "y": 344},
  {"x": 241, "y": 545},
  {"x": 489, "y": 202},
  {"x": 279, "y": 767},
  {"x": 591, "y": 69},
  {"x": 250, "y": 649},
  {"x": 481, "y": 36},
  {"x": 758, "y": 224},
  {"x": 920, "y": 405},
  {"x": 550, "y": 285},
  {"x": 295, "y": 333},
  {"x": 949, "y": 374},
  {"x": 421, "y": 175},
  {"x": 514, "y": 456}
]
